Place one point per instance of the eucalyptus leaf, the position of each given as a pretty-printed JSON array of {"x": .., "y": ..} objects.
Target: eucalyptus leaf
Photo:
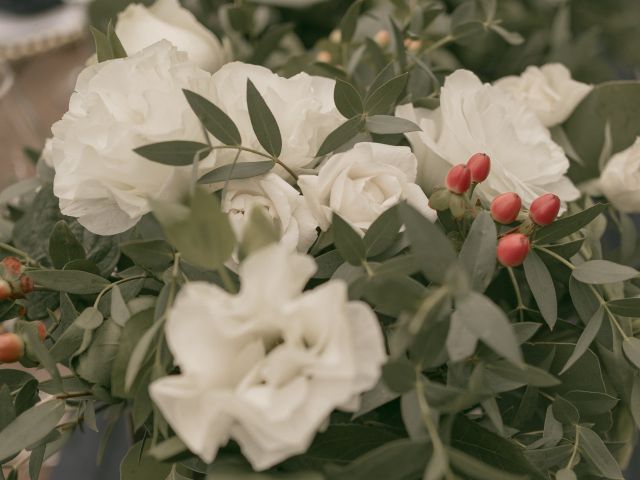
[
  {"x": 631, "y": 348},
  {"x": 214, "y": 119},
  {"x": 586, "y": 338},
  {"x": 541, "y": 284},
  {"x": 388, "y": 124},
  {"x": 236, "y": 171},
  {"x": 177, "y": 153},
  {"x": 478, "y": 253},
  {"x": 64, "y": 246},
  {"x": 595, "y": 451},
  {"x": 565, "y": 226},
  {"x": 70, "y": 281},
  {"x": 263, "y": 122},
  {"x": 382, "y": 232},
  {"x": 383, "y": 99},
  {"x": 341, "y": 135},
  {"x": 603, "y": 271},
  {"x": 350, "y": 21},
  {"x": 626, "y": 307},
  {"x": 347, "y": 99}
]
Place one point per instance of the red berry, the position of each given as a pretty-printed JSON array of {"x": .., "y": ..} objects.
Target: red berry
[
  {"x": 42, "y": 330},
  {"x": 505, "y": 207},
  {"x": 513, "y": 249},
  {"x": 459, "y": 179},
  {"x": 26, "y": 284},
  {"x": 5, "y": 290},
  {"x": 544, "y": 209},
  {"x": 11, "y": 348},
  {"x": 12, "y": 266},
  {"x": 480, "y": 165}
]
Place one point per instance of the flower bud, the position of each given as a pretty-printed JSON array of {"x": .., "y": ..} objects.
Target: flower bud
[
  {"x": 26, "y": 284},
  {"x": 513, "y": 249},
  {"x": 335, "y": 36},
  {"x": 480, "y": 165},
  {"x": 5, "y": 290},
  {"x": 42, "y": 330},
  {"x": 544, "y": 209},
  {"x": 323, "y": 57},
  {"x": 439, "y": 199},
  {"x": 11, "y": 348},
  {"x": 382, "y": 38},
  {"x": 459, "y": 179},
  {"x": 414, "y": 45},
  {"x": 12, "y": 266},
  {"x": 506, "y": 207}
]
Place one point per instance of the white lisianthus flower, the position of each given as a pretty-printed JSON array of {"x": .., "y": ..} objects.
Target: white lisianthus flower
[
  {"x": 302, "y": 105},
  {"x": 281, "y": 202},
  {"x": 620, "y": 179},
  {"x": 119, "y": 105},
  {"x": 475, "y": 117},
  {"x": 267, "y": 366},
  {"x": 549, "y": 91},
  {"x": 138, "y": 27},
  {"x": 363, "y": 182}
]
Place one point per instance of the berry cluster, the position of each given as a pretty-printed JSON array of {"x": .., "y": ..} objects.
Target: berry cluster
[
  {"x": 14, "y": 283},
  {"x": 12, "y": 346},
  {"x": 506, "y": 208}
]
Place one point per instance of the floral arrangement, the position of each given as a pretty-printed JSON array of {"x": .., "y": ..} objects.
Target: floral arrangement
[{"x": 353, "y": 261}]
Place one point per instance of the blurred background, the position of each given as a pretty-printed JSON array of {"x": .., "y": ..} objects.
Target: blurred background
[{"x": 44, "y": 44}]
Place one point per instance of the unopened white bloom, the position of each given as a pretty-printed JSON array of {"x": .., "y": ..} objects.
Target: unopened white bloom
[
  {"x": 475, "y": 117},
  {"x": 119, "y": 105},
  {"x": 620, "y": 179},
  {"x": 363, "y": 182},
  {"x": 139, "y": 27},
  {"x": 302, "y": 105},
  {"x": 267, "y": 366},
  {"x": 281, "y": 202},
  {"x": 549, "y": 91}
]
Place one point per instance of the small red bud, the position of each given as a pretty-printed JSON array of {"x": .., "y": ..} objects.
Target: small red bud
[
  {"x": 505, "y": 207},
  {"x": 544, "y": 209},
  {"x": 459, "y": 179},
  {"x": 513, "y": 249},
  {"x": 26, "y": 284},
  {"x": 42, "y": 330},
  {"x": 11, "y": 348},
  {"x": 5, "y": 290},
  {"x": 12, "y": 266},
  {"x": 480, "y": 165}
]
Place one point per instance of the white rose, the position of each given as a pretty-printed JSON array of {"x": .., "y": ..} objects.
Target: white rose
[
  {"x": 266, "y": 367},
  {"x": 282, "y": 203},
  {"x": 363, "y": 182},
  {"x": 475, "y": 117},
  {"x": 119, "y": 105},
  {"x": 549, "y": 91},
  {"x": 620, "y": 179},
  {"x": 139, "y": 27},
  {"x": 302, "y": 105}
]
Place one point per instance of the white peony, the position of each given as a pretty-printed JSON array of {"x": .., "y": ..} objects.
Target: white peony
[
  {"x": 282, "y": 203},
  {"x": 620, "y": 179},
  {"x": 119, "y": 105},
  {"x": 302, "y": 105},
  {"x": 475, "y": 117},
  {"x": 549, "y": 91},
  {"x": 267, "y": 366},
  {"x": 363, "y": 182},
  {"x": 139, "y": 27}
]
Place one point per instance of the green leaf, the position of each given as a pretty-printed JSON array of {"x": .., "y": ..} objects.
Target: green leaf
[
  {"x": 541, "y": 284},
  {"x": 565, "y": 226},
  {"x": 592, "y": 403},
  {"x": 634, "y": 403},
  {"x": 383, "y": 232},
  {"x": 119, "y": 311},
  {"x": 70, "y": 281},
  {"x": 35, "y": 461},
  {"x": 117, "y": 50},
  {"x": 139, "y": 354},
  {"x": 263, "y": 122},
  {"x": 341, "y": 135},
  {"x": 512, "y": 38},
  {"x": 347, "y": 99},
  {"x": 478, "y": 253},
  {"x": 388, "y": 124},
  {"x": 596, "y": 453},
  {"x": 202, "y": 234},
  {"x": 236, "y": 171},
  {"x": 214, "y": 119},
  {"x": 268, "y": 43},
  {"x": 7, "y": 410},
  {"x": 178, "y": 153},
  {"x": 89, "y": 319},
  {"x": 37, "y": 348},
  {"x": 259, "y": 232},
  {"x": 103, "y": 47},
  {"x": 490, "y": 324},
  {"x": 137, "y": 464},
  {"x": 30, "y": 427},
  {"x": 603, "y": 271},
  {"x": 149, "y": 254},
  {"x": 350, "y": 21},
  {"x": 94, "y": 364},
  {"x": 168, "y": 449},
  {"x": 585, "y": 340},
  {"x": 399, "y": 375},
  {"x": 384, "y": 98},
  {"x": 626, "y": 307},
  {"x": 348, "y": 241},
  {"x": 527, "y": 374},
  {"x": 64, "y": 246},
  {"x": 477, "y": 469},
  {"x": 631, "y": 347},
  {"x": 431, "y": 247}
]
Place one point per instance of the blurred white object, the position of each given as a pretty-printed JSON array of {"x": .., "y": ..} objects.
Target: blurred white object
[
  {"x": 289, "y": 3},
  {"x": 23, "y": 36}
]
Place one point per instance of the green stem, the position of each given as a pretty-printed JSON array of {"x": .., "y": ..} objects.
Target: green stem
[
  {"x": 516, "y": 288},
  {"x": 111, "y": 285},
  {"x": 440, "y": 43},
  {"x": 561, "y": 259},
  {"x": 8, "y": 248},
  {"x": 575, "y": 449},
  {"x": 257, "y": 152}
]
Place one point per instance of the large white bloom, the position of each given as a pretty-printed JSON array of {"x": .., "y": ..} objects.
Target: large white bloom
[
  {"x": 267, "y": 366},
  {"x": 282, "y": 203},
  {"x": 620, "y": 179},
  {"x": 549, "y": 91},
  {"x": 119, "y": 105},
  {"x": 363, "y": 182},
  {"x": 302, "y": 105},
  {"x": 139, "y": 27},
  {"x": 475, "y": 117}
]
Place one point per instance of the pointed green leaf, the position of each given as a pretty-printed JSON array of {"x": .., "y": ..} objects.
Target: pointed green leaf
[
  {"x": 388, "y": 124},
  {"x": 218, "y": 123},
  {"x": 586, "y": 338},
  {"x": 597, "y": 454},
  {"x": 64, "y": 246},
  {"x": 541, "y": 284},
  {"x": 236, "y": 171},
  {"x": 626, "y": 307},
  {"x": 263, "y": 122},
  {"x": 350, "y": 21},
  {"x": 70, "y": 281},
  {"x": 347, "y": 99},
  {"x": 383, "y": 99},
  {"x": 259, "y": 232},
  {"x": 602, "y": 272},
  {"x": 382, "y": 232},
  {"x": 478, "y": 254},
  {"x": 177, "y": 153},
  {"x": 117, "y": 50},
  {"x": 348, "y": 241},
  {"x": 103, "y": 47},
  {"x": 341, "y": 135},
  {"x": 565, "y": 226},
  {"x": 631, "y": 347}
]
